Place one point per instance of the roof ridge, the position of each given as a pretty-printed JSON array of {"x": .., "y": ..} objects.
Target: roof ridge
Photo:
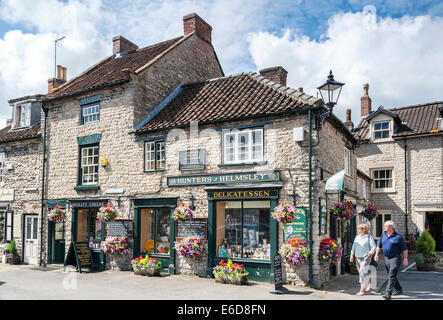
[
  {"x": 416, "y": 105},
  {"x": 158, "y": 43}
]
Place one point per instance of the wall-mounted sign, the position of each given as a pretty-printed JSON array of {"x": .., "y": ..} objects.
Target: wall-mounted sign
[
  {"x": 195, "y": 228},
  {"x": 88, "y": 204},
  {"x": 120, "y": 228},
  {"x": 323, "y": 210},
  {"x": 241, "y": 177},
  {"x": 192, "y": 159},
  {"x": 243, "y": 194},
  {"x": 6, "y": 194},
  {"x": 296, "y": 229}
]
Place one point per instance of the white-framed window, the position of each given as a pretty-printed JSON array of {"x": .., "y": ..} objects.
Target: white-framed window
[
  {"x": 381, "y": 130},
  {"x": 243, "y": 146},
  {"x": 89, "y": 165},
  {"x": 22, "y": 116},
  {"x": 383, "y": 179},
  {"x": 348, "y": 162},
  {"x": 365, "y": 192},
  {"x": 379, "y": 222},
  {"x": 91, "y": 113},
  {"x": 155, "y": 155},
  {"x": 2, "y": 168}
]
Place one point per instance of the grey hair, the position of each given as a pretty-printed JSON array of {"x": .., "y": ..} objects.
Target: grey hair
[{"x": 390, "y": 223}]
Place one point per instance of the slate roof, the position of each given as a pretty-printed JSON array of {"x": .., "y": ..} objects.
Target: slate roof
[
  {"x": 223, "y": 99},
  {"x": 416, "y": 119},
  {"x": 109, "y": 71},
  {"x": 19, "y": 134}
]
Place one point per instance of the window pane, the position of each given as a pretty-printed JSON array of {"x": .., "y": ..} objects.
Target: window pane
[
  {"x": 256, "y": 243},
  {"x": 59, "y": 231},
  {"x": 162, "y": 231},
  {"x": 382, "y": 174},
  {"x": 146, "y": 236},
  {"x": 379, "y": 226},
  {"x": 35, "y": 228},
  {"x": 385, "y": 125},
  {"x": 385, "y": 134},
  {"x": 28, "y": 227},
  {"x": 387, "y": 217},
  {"x": 228, "y": 239}
]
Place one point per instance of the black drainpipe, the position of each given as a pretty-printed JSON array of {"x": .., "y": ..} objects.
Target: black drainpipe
[
  {"x": 42, "y": 218},
  {"x": 406, "y": 189}
]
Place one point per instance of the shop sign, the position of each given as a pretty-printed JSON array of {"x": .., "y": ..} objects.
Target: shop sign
[
  {"x": 192, "y": 159},
  {"x": 243, "y": 194},
  {"x": 323, "y": 223},
  {"x": 79, "y": 255},
  {"x": 6, "y": 194},
  {"x": 195, "y": 228},
  {"x": 297, "y": 229},
  {"x": 88, "y": 204},
  {"x": 241, "y": 177},
  {"x": 120, "y": 228}
]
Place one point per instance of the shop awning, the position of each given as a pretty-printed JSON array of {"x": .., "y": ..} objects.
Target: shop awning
[{"x": 335, "y": 182}]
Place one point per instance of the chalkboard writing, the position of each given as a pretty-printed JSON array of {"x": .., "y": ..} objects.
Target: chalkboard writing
[
  {"x": 79, "y": 255},
  {"x": 278, "y": 278},
  {"x": 195, "y": 228},
  {"x": 120, "y": 228}
]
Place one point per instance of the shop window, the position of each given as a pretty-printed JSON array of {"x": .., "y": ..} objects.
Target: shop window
[
  {"x": 383, "y": 179},
  {"x": 154, "y": 237},
  {"x": 380, "y": 222},
  {"x": 6, "y": 226},
  {"x": 89, "y": 165},
  {"x": 243, "y": 229},
  {"x": 89, "y": 227},
  {"x": 243, "y": 146},
  {"x": 155, "y": 155}
]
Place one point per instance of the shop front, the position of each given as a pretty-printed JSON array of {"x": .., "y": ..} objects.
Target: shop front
[
  {"x": 241, "y": 228},
  {"x": 56, "y": 235},
  {"x": 154, "y": 230}
]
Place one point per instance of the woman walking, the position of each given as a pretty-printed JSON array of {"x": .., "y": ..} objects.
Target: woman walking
[{"x": 362, "y": 249}]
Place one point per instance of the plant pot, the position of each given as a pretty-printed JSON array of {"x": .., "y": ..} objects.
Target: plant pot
[
  {"x": 236, "y": 280},
  {"x": 120, "y": 263},
  {"x": 150, "y": 272},
  {"x": 14, "y": 259},
  {"x": 428, "y": 265}
]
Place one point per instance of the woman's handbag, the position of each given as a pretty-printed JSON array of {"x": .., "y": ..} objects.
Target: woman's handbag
[{"x": 373, "y": 262}]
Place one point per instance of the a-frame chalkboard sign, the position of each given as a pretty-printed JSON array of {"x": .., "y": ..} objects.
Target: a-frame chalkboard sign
[{"x": 79, "y": 255}]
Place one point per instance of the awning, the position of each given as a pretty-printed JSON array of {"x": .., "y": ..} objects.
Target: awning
[{"x": 335, "y": 182}]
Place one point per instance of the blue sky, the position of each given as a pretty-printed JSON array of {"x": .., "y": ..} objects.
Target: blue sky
[{"x": 390, "y": 44}]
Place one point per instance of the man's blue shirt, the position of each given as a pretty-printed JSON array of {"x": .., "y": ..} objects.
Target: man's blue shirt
[{"x": 392, "y": 246}]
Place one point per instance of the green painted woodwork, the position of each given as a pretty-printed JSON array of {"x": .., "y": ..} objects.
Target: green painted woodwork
[
  {"x": 87, "y": 187},
  {"x": 51, "y": 203},
  {"x": 91, "y": 99},
  {"x": 90, "y": 139},
  {"x": 273, "y": 225}
]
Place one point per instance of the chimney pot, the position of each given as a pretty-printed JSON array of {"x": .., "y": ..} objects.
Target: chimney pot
[
  {"x": 276, "y": 74},
  {"x": 348, "y": 124},
  {"x": 366, "y": 102},
  {"x": 8, "y": 122},
  {"x": 57, "y": 82},
  {"x": 193, "y": 23},
  {"x": 300, "y": 89},
  {"x": 348, "y": 115},
  {"x": 121, "y": 44}
]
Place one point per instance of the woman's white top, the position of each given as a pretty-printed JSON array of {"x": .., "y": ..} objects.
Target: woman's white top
[{"x": 362, "y": 246}]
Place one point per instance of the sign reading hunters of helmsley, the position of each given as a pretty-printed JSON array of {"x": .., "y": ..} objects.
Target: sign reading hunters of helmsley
[{"x": 240, "y": 177}]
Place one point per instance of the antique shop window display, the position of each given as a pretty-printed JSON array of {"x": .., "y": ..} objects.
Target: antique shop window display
[
  {"x": 243, "y": 146},
  {"x": 155, "y": 231},
  {"x": 89, "y": 227},
  {"x": 243, "y": 229}
]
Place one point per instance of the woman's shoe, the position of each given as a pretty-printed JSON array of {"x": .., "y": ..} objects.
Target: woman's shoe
[{"x": 360, "y": 293}]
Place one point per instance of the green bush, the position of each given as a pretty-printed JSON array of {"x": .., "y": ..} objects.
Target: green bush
[
  {"x": 425, "y": 244},
  {"x": 12, "y": 248}
]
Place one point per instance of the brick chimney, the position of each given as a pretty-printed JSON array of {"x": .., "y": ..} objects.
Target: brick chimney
[
  {"x": 193, "y": 23},
  {"x": 57, "y": 82},
  {"x": 8, "y": 122},
  {"x": 276, "y": 74},
  {"x": 348, "y": 123},
  {"x": 121, "y": 44},
  {"x": 366, "y": 102}
]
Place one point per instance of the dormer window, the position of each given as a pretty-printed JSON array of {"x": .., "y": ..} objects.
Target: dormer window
[
  {"x": 381, "y": 130},
  {"x": 22, "y": 116}
]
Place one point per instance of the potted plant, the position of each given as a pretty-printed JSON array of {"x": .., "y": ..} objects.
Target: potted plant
[
  {"x": 330, "y": 252},
  {"x": 118, "y": 249},
  {"x": 344, "y": 211},
  {"x": 294, "y": 252},
  {"x": 56, "y": 214},
  {"x": 230, "y": 272},
  {"x": 190, "y": 247},
  {"x": 146, "y": 266},
  {"x": 13, "y": 258},
  {"x": 182, "y": 213},
  {"x": 106, "y": 213},
  {"x": 369, "y": 212},
  {"x": 285, "y": 212},
  {"x": 426, "y": 258}
]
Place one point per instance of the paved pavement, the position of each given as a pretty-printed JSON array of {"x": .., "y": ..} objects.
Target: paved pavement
[{"x": 49, "y": 283}]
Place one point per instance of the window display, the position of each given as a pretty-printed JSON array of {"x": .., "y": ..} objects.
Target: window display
[
  {"x": 155, "y": 230},
  {"x": 88, "y": 227},
  {"x": 243, "y": 229}
]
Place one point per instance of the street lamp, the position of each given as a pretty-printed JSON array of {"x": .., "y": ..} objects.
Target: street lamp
[{"x": 330, "y": 92}]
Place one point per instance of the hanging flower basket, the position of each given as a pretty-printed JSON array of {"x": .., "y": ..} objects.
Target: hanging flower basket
[
  {"x": 190, "y": 247},
  {"x": 285, "y": 212},
  {"x": 182, "y": 213},
  {"x": 146, "y": 266},
  {"x": 294, "y": 252},
  {"x": 330, "y": 252},
  {"x": 231, "y": 273},
  {"x": 116, "y": 246},
  {"x": 57, "y": 214},
  {"x": 344, "y": 211},
  {"x": 369, "y": 212},
  {"x": 106, "y": 213}
]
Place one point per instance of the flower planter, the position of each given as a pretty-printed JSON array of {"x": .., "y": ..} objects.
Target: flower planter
[
  {"x": 13, "y": 259},
  {"x": 236, "y": 279},
  {"x": 150, "y": 272},
  {"x": 428, "y": 265},
  {"x": 120, "y": 263}
]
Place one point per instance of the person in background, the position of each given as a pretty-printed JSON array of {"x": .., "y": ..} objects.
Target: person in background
[
  {"x": 392, "y": 244},
  {"x": 362, "y": 249}
]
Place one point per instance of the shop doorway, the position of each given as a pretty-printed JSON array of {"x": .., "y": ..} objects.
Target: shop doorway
[
  {"x": 435, "y": 223},
  {"x": 57, "y": 242},
  {"x": 30, "y": 239}
]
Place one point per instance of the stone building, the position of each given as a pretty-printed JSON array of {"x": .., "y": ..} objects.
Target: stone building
[
  {"x": 401, "y": 149},
  {"x": 20, "y": 178},
  {"x": 88, "y": 119}
]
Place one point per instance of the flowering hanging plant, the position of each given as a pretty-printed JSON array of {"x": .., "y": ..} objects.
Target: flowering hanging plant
[
  {"x": 369, "y": 212},
  {"x": 182, "y": 213},
  {"x": 190, "y": 247},
  {"x": 146, "y": 263},
  {"x": 294, "y": 252},
  {"x": 57, "y": 214},
  {"x": 106, "y": 213},
  {"x": 329, "y": 252},
  {"x": 285, "y": 212},
  {"x": 229, "y": 269},
  {"x": 116, "y": 246},
  {"x": 344, "y": 210}
]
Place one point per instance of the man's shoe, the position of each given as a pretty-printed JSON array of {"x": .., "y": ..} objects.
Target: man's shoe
[
  {"x": 387, "y": 296},
  {"x": 397, "y": 292}
]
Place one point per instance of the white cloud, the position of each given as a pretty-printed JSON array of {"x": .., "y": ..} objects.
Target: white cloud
[{"x": 400, "y": 58}]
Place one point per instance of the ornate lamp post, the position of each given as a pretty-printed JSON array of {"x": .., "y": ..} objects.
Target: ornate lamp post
[{"x": 330, "y": 92}]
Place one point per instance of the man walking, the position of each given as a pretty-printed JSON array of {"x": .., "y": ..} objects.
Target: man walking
[{"x": 392, "y": 244}]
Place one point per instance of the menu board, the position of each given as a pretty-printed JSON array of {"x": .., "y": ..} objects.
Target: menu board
[
  {"x": 323, "y": 223},
  {"x": 296, "y": 229},
  {"x": 278, "y": 277},
  {"x": 79, "y": 255},
  {"x": 120, "y": 228},
  {"x": 195, "y": 228}
]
